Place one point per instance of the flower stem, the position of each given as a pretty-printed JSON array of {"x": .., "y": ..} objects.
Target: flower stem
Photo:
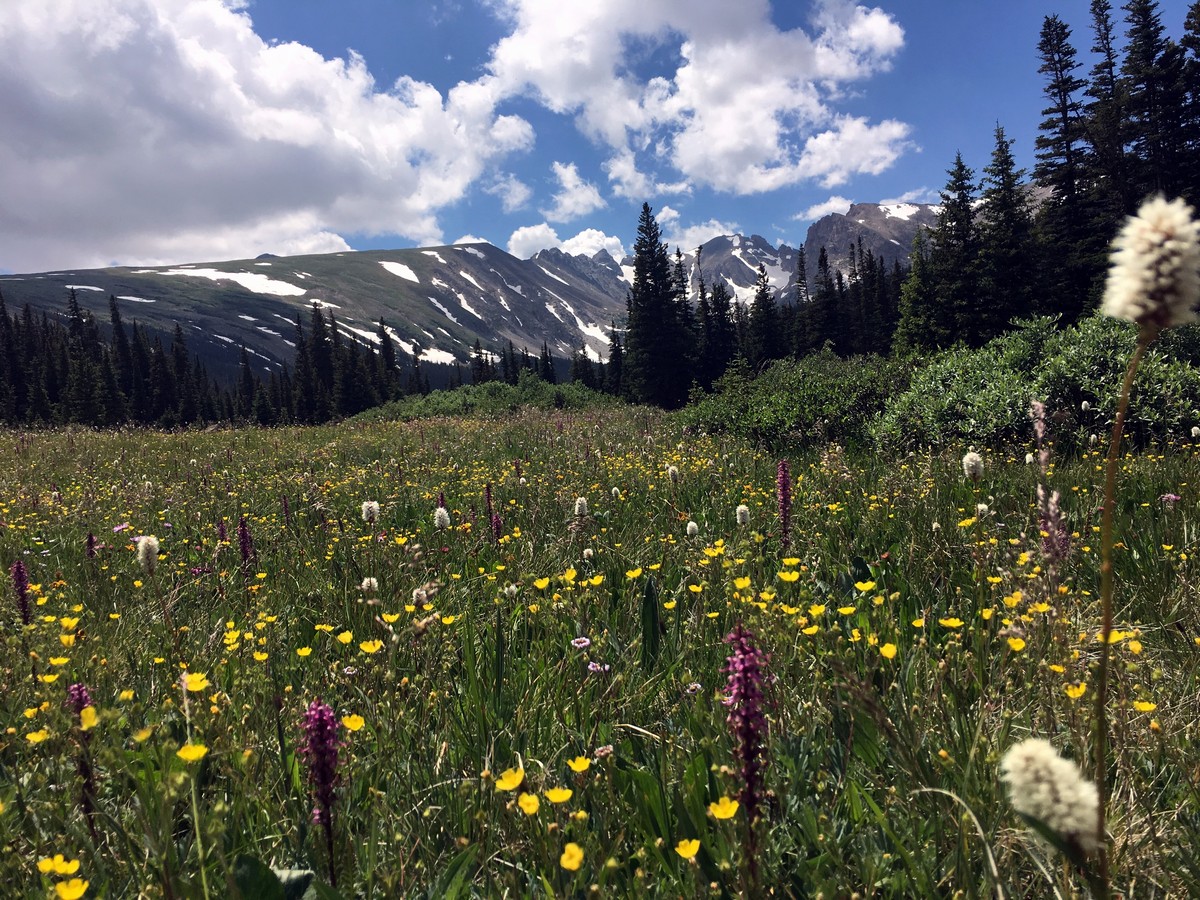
[{"x": 1146, "y": 336}]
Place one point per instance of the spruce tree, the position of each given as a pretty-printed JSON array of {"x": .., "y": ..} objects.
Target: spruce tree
[
  {"x": 1153, "y": 76},
  {"x": 1007, "y": 257},
  {"x": 954, "y": 260}
]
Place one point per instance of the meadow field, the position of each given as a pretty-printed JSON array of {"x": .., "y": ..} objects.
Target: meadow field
[{"x": 297, "y": 692}]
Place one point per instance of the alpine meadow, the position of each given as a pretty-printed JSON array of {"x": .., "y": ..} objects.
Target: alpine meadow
[{"x": 733, "y": 570}]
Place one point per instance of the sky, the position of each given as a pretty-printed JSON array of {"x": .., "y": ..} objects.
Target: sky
[{"x": 149, "y": 132}]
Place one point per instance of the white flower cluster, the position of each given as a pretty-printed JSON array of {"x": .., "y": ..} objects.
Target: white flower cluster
[
  {"x": 1052, "y": 790},
  {"x": 147, "y": 552},
  {"x": 441, "y": 518},
  {"x": 370, "y": 511},
  {"x": 972, "y": 464},
  {"x": 581, "y": 506},
  {"x": 1155, "y": 274}
]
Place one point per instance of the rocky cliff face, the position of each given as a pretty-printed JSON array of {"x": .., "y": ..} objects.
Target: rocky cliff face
[{"x": 886, "y": 230}]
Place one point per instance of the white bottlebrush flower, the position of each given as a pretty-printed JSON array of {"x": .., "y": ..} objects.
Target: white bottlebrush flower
[
  {"x": 147, "y": 552},
  {"x": 1046, "y": 787},
  {"x": 692, "y": 529},
  {"x": 581, "y": 506},
  {"x": 588, "y": 552},
  {"x": 441, "y": 518},
  {"x": 1085, "y": 406},
  {"x": 743, "y": 514},
  {"x": 1195, "y": 432},
  {"x": 616, "y": 493},
  {"x": 972, "y": 464},
  {"x": 1155, "y": 274},
  {"x": 369, "y": 585},
  {"x": 1029, "y": 459},
  {"x": 370, "y": 511},
  {"x": 673, "y": 474}
]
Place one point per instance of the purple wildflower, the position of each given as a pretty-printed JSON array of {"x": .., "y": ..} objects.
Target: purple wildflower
[
  {"x": 320, "y": 747},
  {"x": 598, "y": 668},
  {"x": 287, "y": 509},
  {"x": 78, "y": 698},
  {"x": 89, "y": 547},
  {"x": 497, "y": 526},
  {"x": 245, "y": 541},
  {"x": 748, "y": 722},
  {"x": 487, "y": 501},
  {"x": 1169, "y": 500},
  {"x": 1056, "y": 537},
  {"x": 222, "y": 532},
  {"x": 20, "y": 580},
  {"x": 783, "y": 489},
  {"x": 581, "y": 643}
]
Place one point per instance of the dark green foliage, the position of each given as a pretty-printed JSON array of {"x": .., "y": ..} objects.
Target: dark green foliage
[
  {"x": 805, "y": 403},
  {"x": 982, "y": 396}
]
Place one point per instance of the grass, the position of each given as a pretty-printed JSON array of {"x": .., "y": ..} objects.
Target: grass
[{"x": 882, "y": 775}]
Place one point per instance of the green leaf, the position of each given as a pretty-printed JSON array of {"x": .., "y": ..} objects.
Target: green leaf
[{"x": 256, "y": 881}]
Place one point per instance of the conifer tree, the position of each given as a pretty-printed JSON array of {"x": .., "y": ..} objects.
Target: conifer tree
[
  {"x": 954, "y": 260},
  {"x": 1007, "y": 256}
]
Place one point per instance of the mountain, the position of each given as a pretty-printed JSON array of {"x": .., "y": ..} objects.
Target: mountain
[
  {"x": 887, "y": 230},
  {"x": 437, "y": 301}
]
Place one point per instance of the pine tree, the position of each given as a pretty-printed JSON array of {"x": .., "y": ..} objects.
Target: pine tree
[
  {"x": 762, "y": 344},
  {"x": 920, "y": 328},
  {"x": 1108, "y": 175},
  {"x": 954, "y": 260},
  {"x": 1153, "y": 76},
  {"x": 1008, "y": 254},
  {"x": 615, "y": 370}
]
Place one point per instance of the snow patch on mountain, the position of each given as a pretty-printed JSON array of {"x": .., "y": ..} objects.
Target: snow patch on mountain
[
  {"x": 445, "y": 312},
  {"x": 467, "y": 276},
  {"x": 435, "y": 255},
  {"x": 255, "y": 282},
  {"x": 903, "y": 211},
  {"x": 552, "y": 275},
  {"x": 134, "y": 299},
  {"x": 401, "y": 270},
  {"x": 462, "y": 301},
  {"x": 83, "y": 287},
  {"x": 440, "y": 357},
  {"x": 554, "y": 312}
]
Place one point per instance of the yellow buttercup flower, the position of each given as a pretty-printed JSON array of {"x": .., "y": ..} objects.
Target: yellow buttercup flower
[
  {"x": 724, "y": 808},
  {"x": 688, "y": 849},
  {"x": 88, "y": 718},
  {"x": 195, "y": 681},
  {"x": 579, "y": 764},
  {"x": 888, "y": 651},
  {"x": 510, "y": 779},
  {"x": 353, "y": 722},
  {"x": 345, "y": 637},
  {"x": 192, "y": 752},
  {"x": 572, "y": 857},
  {"x": 371, "y": 646},
  {"x": 71, "y": 890},
  {"x": 529, "y": 804},
  {"x": 559, "y": 795}
]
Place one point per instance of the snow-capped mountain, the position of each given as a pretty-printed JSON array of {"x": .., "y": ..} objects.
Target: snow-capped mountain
[{"x": 436, "y": 301}]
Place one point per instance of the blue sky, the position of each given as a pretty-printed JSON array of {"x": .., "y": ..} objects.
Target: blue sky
[{"x": 160, "y": 131}]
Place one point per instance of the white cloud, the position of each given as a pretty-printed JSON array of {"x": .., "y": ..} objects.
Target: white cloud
[
  {"x": 666, "y": 215},
  {"x": 513, "y": 192},
  {"x": 834, "y": 204},
  {"x": 147, "y": 131},
  {"x": 745, "y": 107},
  {"x": 591, "y": 241},
  {"x": 692, "y": 236},
  {"x": 917, "y": 195},
  {"x": 529, "y": 239},
  {"x": 575, "y": 197},
  {"x": 470, "y": 239}
]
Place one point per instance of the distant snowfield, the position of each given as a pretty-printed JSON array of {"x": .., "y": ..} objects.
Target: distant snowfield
[
  {"x": 472, "y": 251},
  {"x": 251, "y": 281},
  {"x": 900, "y": 210},
  {"x": 445, "y": 312},
  {"x": 134, "y": 299},
  {"x": 84, "y": 287},
  {"x": 435, "y": 255},
  {"x": 467, "y": 275},
  {"x": 400, "y": 269},
  {"x": 440, "y": 357}
]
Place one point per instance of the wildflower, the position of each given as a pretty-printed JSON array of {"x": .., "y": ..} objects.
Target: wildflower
[
  {"x": 441, "y": 518},
  {"x": 747, "y": 719},
  {"x": 90, "y": 546},
  {"x": 1046, "y": 787},
  {"x": 147, "y": 552},
  {"x": 320, "y": 747},
  {"x": 616, "y": 493},
  {"x": 559, "y": 795},
  {"x": 72, "y": 889},
  {"x": 783, "y": 494},
  {"x": 58, "y": 864},
  {"x": 723, "y": 808},
  {"x": 245, "y": 541},
  {"x": 20, "y": 580},
  {"x": 581, "y": 506},
  {"x": 597, "y": 668},
  {"x": 1085, "y": 406},
  {"x": 688, "y": 849},
  {"x": 742, "y": 514},
  {"x": 603, "y": 752},
  {"x": 529, "y": 804},
  {"x": 1028, "y": 459},
  {"x": 572, "y": 857},
  {"x": 353, "y": 722},
  {"x": 1056, "y": 536},
  {"x": 370, "y": 511},
  {"x": 1195, "y": 432},
  {"x": 192, "y": 752},
  {"x": 510, "y": 779},
  {"x": 1154, "y": 277},
  {"x": 579, "y": 764},
  {"x": 972, "y": 464},
  {"x": 673, "y": 474},
  {"x": 581, "y": 643},
  {"x": 692, "y": 529},
  {"x": 369, "y": 585}
]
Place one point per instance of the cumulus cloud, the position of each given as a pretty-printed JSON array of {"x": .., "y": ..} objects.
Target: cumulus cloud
[
  {"x": 528, "y": 240},
  {"x": 152, "y": 131},
  {"x": 513, "y": 192},
  {"x": 834, "y": 204},
  {"x": 744, "y": 107},
  {"x": 917, "y": 195},
  {"x": 692, "y": 236},
  {"x": 470, "y": 239},
  {"x": 575, "y": 197},
  {"x": 591, "y": 241}
]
